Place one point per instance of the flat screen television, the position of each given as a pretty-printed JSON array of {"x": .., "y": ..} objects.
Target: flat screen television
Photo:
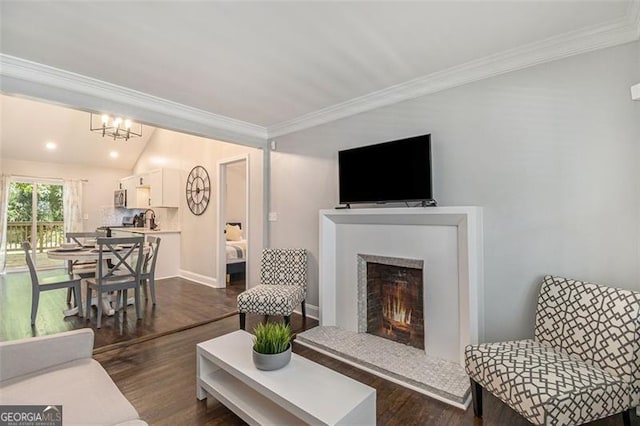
[{"x": 394, "y": 171}]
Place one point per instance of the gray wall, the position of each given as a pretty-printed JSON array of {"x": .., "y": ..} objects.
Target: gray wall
[{"x": 551, "y": 153}]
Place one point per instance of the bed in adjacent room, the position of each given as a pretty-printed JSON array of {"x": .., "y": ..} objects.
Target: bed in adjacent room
[{"x": 236, "y": 249}]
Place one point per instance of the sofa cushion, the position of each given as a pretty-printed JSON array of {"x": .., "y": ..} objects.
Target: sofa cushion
[
  {"x": 83, "y": 388},
  {"x": 544, "y": 384},
  {"x": 25, "y": 356},
  {"x": 271, "y": 299}
]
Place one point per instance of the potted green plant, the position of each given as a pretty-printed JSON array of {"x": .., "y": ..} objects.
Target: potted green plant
[{"x": 271, "y": 346}]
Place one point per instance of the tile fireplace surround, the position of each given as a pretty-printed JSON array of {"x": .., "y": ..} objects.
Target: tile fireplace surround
[{"x": 449, "y": 242}]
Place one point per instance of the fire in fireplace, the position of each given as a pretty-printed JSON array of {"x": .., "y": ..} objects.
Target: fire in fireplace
[
  {"x": 395, "y": 303},
  {"x": 394, "y": 308}
]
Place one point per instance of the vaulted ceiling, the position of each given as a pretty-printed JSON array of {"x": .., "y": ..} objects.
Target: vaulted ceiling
[
  {"x": 28, "y": 126},
  {"x": 280, "y": 66}
]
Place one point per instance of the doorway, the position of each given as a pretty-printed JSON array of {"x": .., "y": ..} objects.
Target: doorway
[
  {"x": 34, "y": 214},
  {"x": 233, "y": 221}
]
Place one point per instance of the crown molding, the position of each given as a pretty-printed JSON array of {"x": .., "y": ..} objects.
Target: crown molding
[
  {"x": 634, "y": 16},
  {"x": 620, "y": 31},
  {"x": 12, "y": 67},
  {"x": 616, "y": 32}
]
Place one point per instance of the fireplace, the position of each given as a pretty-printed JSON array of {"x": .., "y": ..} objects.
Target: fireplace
[
  {"x": 390, "y": 299},
  {"x": 395, "y": 304},
  {"x": 450, "y": 238}
]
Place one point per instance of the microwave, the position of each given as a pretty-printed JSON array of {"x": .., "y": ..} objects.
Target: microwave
[{"x": 120, "y": 198}]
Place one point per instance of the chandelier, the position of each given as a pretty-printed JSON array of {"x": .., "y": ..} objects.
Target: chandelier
[{"x": 115, "y": 127}]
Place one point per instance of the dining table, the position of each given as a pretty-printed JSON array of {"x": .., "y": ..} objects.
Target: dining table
[{"x": 90, "y": 253}]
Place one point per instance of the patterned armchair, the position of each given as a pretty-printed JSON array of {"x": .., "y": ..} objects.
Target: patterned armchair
[
  {"x": 583, "y": 364},
  {"x": 283, "y": 285}
]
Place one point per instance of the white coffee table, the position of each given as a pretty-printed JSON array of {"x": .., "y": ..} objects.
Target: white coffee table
[{"x": 301, "y": 392}]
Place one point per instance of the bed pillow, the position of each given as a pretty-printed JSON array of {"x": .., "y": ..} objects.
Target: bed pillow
[{"x": 234, "y": 233}]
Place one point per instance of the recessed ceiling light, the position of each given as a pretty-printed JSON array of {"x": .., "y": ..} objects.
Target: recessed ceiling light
[
  {"x": 113, "y": 154},
  {"x": 51, "y": 146}
]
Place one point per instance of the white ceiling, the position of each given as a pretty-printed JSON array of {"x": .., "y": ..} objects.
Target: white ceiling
[
  {"x": 27, "y": 126},
  {"x": 277, "y": 63}
]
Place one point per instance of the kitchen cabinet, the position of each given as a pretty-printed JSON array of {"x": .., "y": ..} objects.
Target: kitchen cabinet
[
  {"x": 137, "y": 196},
  {"x": 164, "y": 187},
  {"x": 128, "y": 183},
  {"x": 143, "y": 179},
  {"x": 156, "y": 188},
  {"x": 142, "y": 198}
]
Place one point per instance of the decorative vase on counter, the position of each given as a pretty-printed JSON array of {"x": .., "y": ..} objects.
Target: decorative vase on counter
[{"x": 271, "y": 346}]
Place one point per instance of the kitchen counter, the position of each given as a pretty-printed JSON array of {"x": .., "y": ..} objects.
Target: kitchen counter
[
  {"x": 146, "y": 230},
  {"x": 155, "y": 231},
  {"x": 168, "y": 263}
]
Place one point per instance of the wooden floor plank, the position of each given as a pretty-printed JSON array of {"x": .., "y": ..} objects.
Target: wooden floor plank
[
  {"x": 180, "y": 304},
  {"x": 158, "y": 374},
  {"x": 159, "y": 378}
]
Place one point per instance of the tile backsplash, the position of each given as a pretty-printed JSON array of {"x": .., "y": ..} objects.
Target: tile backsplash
[{"x": 166, "y": 218}]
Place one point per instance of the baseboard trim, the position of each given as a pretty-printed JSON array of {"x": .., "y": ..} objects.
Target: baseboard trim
[
  {"x": 200, "y": 279},
  {"x": 313, "y": 311},
  {"x": 168, "y": 276}
]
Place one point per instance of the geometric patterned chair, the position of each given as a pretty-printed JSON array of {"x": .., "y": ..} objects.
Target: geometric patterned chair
[
  {"x": 582, "y": 365},
  {"x": 283, "y": 285}
]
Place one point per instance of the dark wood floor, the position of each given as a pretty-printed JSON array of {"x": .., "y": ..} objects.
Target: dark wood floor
[
  {"x": 153, "y": 361},
  {"x": 180, "y": 304},
  {"x": 159, "y": 378}
]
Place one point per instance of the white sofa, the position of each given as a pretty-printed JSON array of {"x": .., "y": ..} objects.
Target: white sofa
[{"x": 59, "y": 370}]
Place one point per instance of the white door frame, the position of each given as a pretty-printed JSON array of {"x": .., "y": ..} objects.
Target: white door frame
[{"x": 221, "y": 280}]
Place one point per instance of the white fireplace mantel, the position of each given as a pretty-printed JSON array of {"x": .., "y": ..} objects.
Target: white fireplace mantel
[{"x": 467, "y": 220}]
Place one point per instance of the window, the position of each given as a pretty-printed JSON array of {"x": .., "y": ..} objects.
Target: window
[{"x": 34, "y": 214}]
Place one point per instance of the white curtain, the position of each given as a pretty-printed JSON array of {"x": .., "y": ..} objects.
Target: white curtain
[
  {"x": 5, "y": 181},
  {"x": 72, "y": 205}
]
